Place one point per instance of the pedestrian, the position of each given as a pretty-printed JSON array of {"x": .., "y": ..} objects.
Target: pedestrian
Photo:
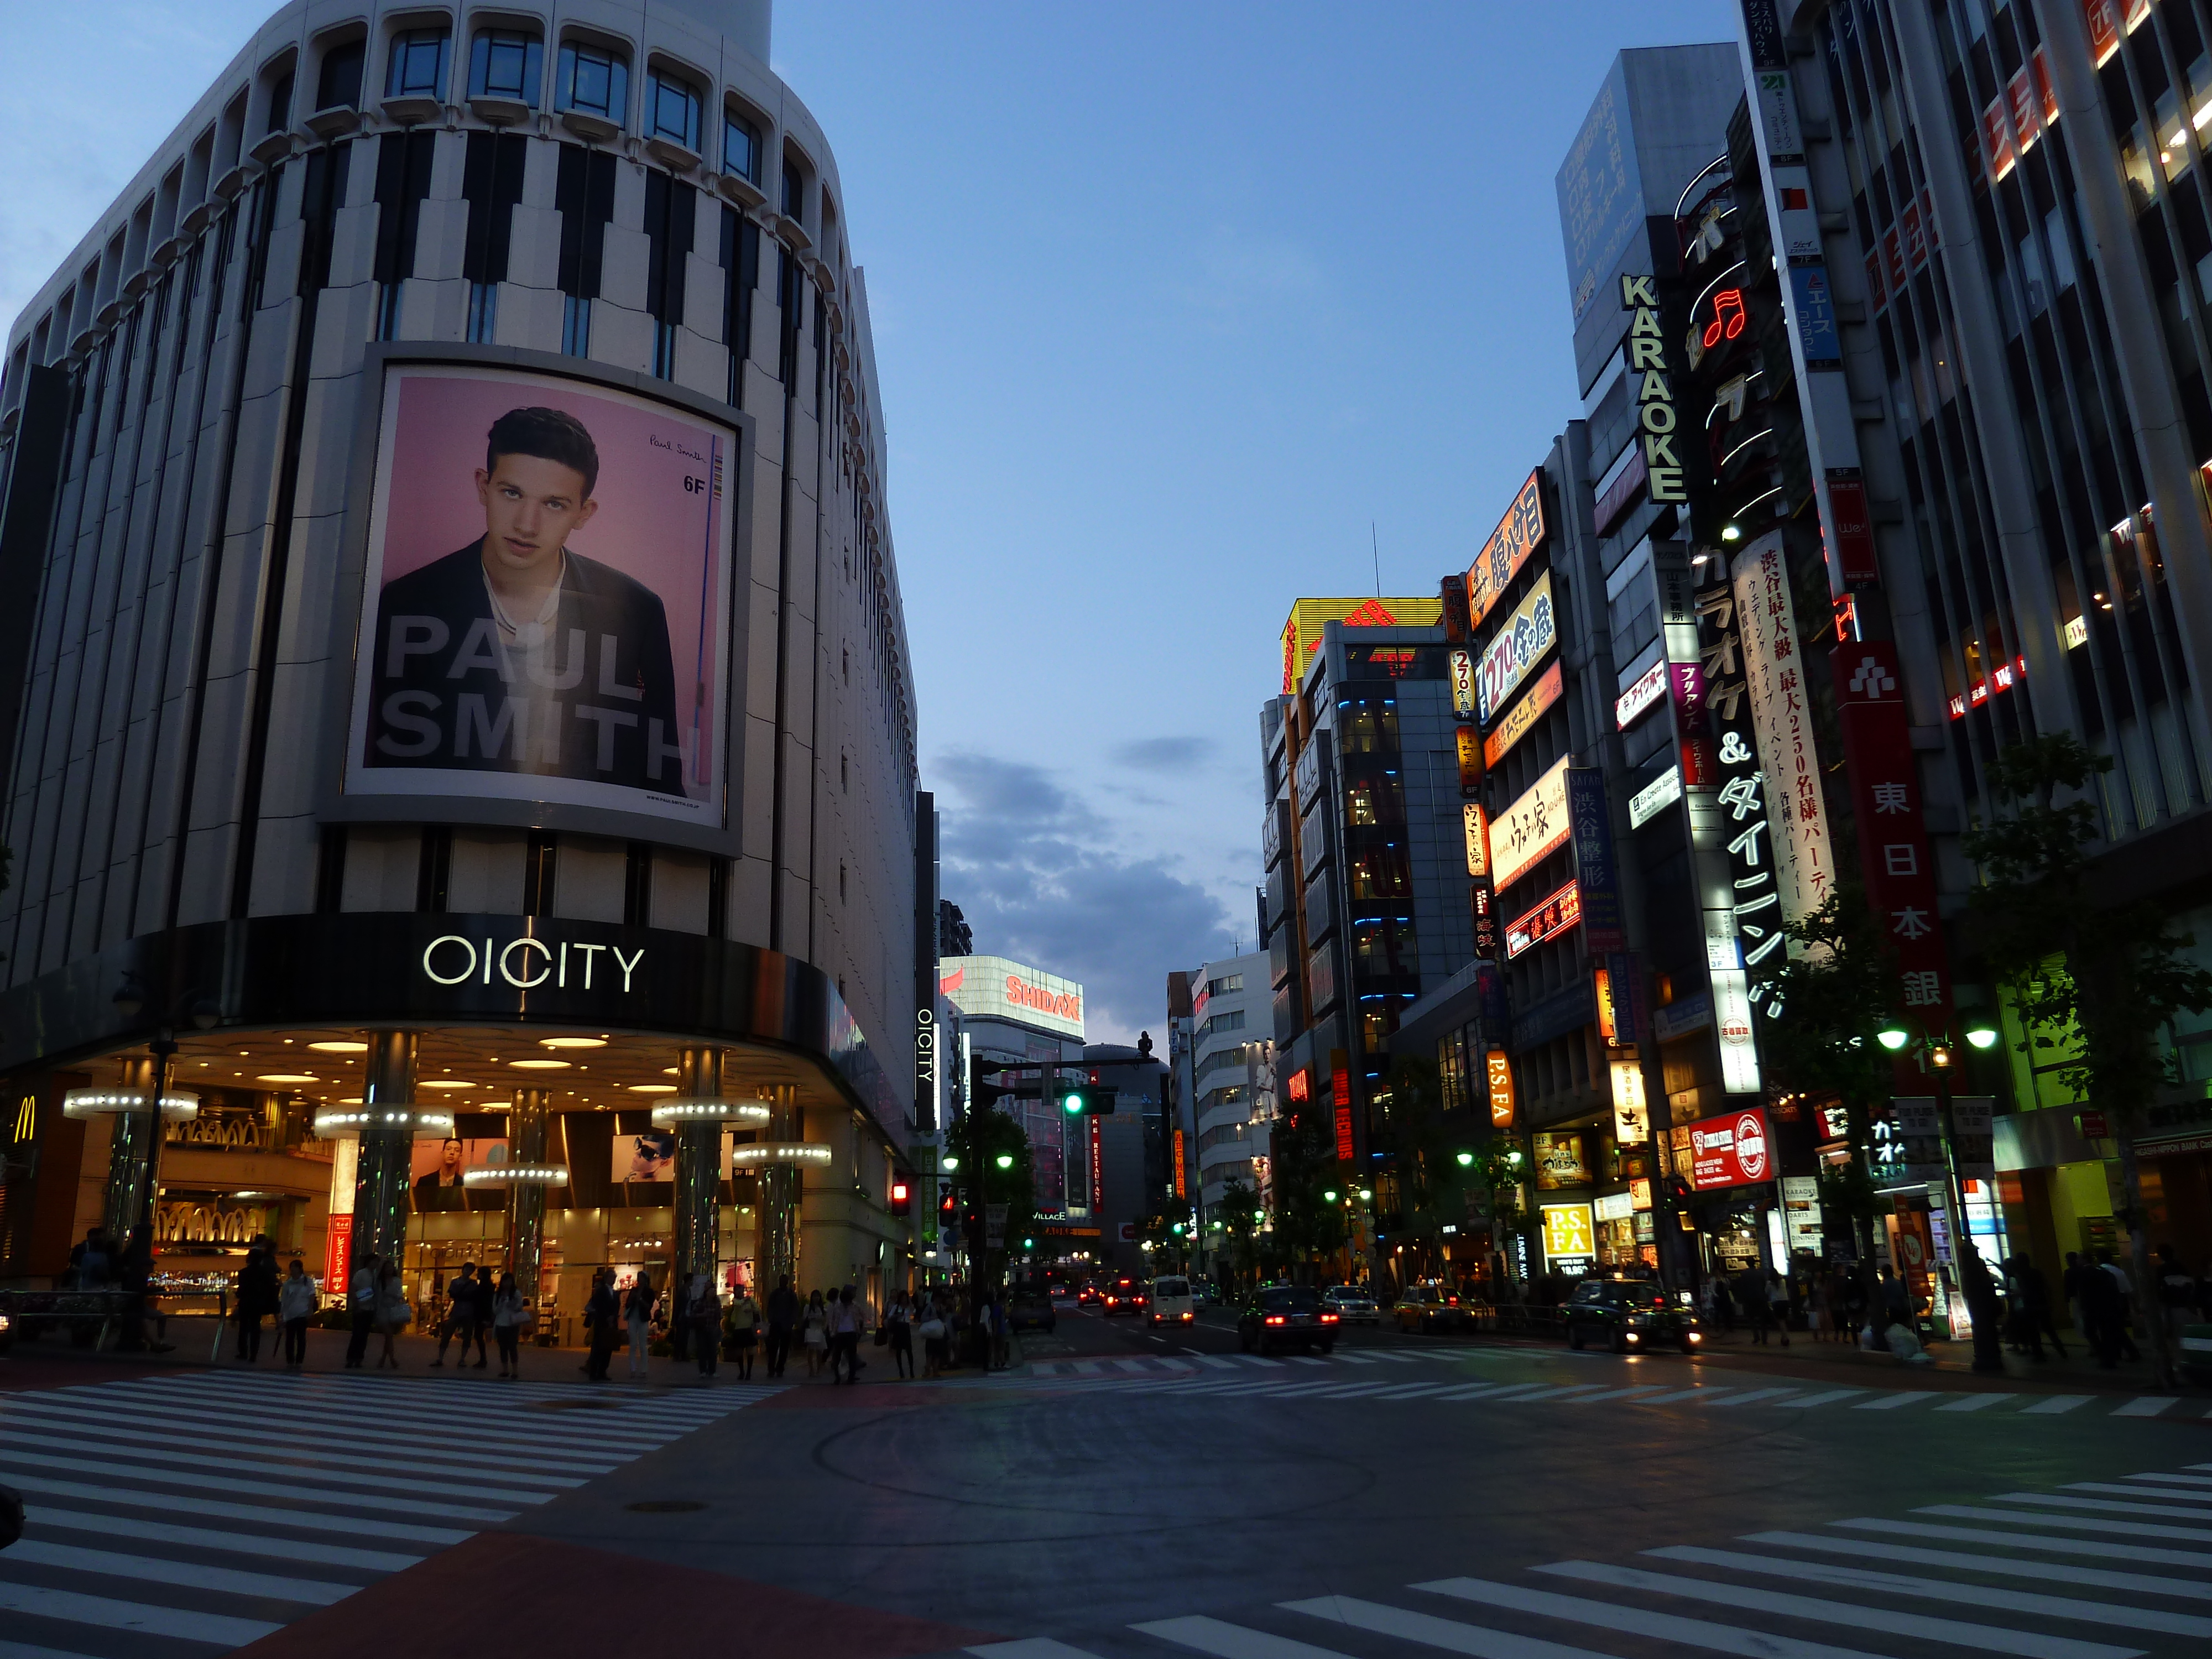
[
  {"x": 1896, "y": 1301},
  {"x": 637, "y": 1315},
  {"x": 679, "y": 1317},
  {"x": 360, "y": 1304},
  {"x": 2178, "y": 1293},
  {"x": 255, "y": 1296},
  {"x": 2031, "y": 1294},
  {"x": 393, "y": 1313},
  {"x": 814, "y": 1334},
  {"x": 704, "y": 1321},
  {"x": 782, "y": 1315},
  {"x": 932, "y": 1328},
  {"x": 899, "y": 1331},
  {"x": 508, "y": 1314},
  {"x": 744, "y": 1330},
  {"x": 2121, "y": 1309},
  {"x": 295, "y": 1305},
  {"x": 134, "y": 1274},
  {"x": 1758, "y": 1309},
  {"x": 1723, "y": 1304},
  {"x": 602, "y": 1315},
  {"x": 460, "y": 1313}
]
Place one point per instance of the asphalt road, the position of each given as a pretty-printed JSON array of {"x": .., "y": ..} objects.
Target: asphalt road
[{"x": 1123, "y": 1497}]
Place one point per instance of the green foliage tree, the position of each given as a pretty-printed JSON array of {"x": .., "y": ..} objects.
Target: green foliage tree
[
  {"x": 2095, "y": 984},
  {"x": 1839, "y": 992},
  {"x": 979, "y": 1140},
  {"x": 1303, "y": 1169},
  {"x": 1234, "y": 1210}
]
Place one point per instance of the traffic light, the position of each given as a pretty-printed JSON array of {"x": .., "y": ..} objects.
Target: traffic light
[
  {"x": 1087, "y": 1099},
  {"x": 902, "y": 1197}
]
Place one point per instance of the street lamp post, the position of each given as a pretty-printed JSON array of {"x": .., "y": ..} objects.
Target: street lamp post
[{"x": 1975, "y": 1282}]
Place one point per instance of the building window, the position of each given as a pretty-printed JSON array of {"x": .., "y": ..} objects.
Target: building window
[
  {"x": 575, "y": 326},
  {"x": 637, "y": 885},
  {"x": 1214, "y": 987},
  {"x": 491, "y": 180},
  {"x": 741, "y": 148},
  {"x": 484, "y": 313},
  {"x": 387, "y": 311},
  {"x": 338, "y": 84},
  {"x": 794, "y": 194},
  {"x": 664, "y": 351},
  {"x": 504, "y": 65},
  {"x": 417, "y": 69},
  {"x": 433, "y": 873},
  {"x": 593, "y": 81},
  {"x": 672, "y": 110},
  {"x": 280, "y": 104}
]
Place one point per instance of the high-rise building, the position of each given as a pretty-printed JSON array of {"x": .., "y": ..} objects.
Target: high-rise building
[
  {"x": 2008, "y": 206},
  {"x": 458, "y": 720},
  {"x": 1367, "y": 895}
]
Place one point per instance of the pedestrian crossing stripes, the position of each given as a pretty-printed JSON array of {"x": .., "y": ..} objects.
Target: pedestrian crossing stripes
[
  {"x": 1846, "y": 1591},
  {"x": 1201, "y": 1376},
  {"x": 1192, "y": 1362},
  {"x": 172, "y": 1513}
]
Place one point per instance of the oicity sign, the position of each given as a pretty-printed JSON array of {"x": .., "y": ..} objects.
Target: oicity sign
[{"x": 525, "y": 963}]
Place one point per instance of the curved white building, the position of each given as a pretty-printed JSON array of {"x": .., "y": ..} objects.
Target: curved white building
[{"x": 454, "y": 639}]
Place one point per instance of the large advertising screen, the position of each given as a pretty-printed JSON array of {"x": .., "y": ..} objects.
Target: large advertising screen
[
  {"x": 993, "y": 987},
  {"x": 545, "y": 614}
]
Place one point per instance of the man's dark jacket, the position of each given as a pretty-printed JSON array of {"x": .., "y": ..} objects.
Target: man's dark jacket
[{"x": 438, "y": 697}]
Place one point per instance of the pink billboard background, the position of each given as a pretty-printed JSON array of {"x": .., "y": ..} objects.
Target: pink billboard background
[{"x": 648, "y": 526}]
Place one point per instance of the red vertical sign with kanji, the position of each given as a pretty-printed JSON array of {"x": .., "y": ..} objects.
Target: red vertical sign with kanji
[{"x": 1893, "y": 852}]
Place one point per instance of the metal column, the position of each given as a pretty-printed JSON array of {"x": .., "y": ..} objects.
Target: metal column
[
  {"x": 698, "y": 1163},
  {"x": 526, "y": 1125},
  {"x": 775, "y": 1231},
  {"x": 387, "y": 1151},
  {"x": 134, "y": 1143}
]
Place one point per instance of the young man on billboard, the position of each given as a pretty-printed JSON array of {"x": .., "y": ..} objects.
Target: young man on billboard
[{"x": 516, "y": 653}]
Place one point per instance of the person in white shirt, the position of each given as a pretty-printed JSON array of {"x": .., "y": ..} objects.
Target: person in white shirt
[
  {"x": 361, "y": 1303},
  {"x": 295, "y": 1306}
]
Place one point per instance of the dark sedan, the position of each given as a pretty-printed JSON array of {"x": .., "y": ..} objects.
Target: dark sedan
[
  {"x": 1629, "y": 1316},
  {"x": 1029, "y": 1308},
  {"x": 1287, "y": 1315}
]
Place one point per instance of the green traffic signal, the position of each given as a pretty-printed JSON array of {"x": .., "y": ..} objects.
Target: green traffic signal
[{"x": 1072, "y": 1105}]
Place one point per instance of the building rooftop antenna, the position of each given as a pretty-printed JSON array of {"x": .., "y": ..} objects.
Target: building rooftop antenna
[{"x": 1375, "y": 547}]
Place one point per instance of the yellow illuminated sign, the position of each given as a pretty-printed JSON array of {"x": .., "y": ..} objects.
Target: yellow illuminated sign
[
  {"x": 1302, "y": 632},
  {"x": 1568, "y": 1231}
]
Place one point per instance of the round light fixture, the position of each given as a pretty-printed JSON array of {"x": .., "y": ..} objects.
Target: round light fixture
[
  {"x": 288, "y": 1077},
  {"x": 444, "y": 1082},
  {"x": 666, "y": 1114},
  {"x": 770, "y": 1152},
  {"x": 572, "y": 1042},
  {"x": 422, "y": 1122},
  {"x": 540, "y": 1064},
  {"x": 339, "y": 1046},
  {"x": 176, "y": 1106},
  {"x": 1981, "y": 1037},
  {"x": 1892, "y": 1037},
  {"x": 653, "y": 1087}
]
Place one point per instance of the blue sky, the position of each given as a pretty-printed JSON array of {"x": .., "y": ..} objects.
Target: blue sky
[{"x": 1171, "y": 302}]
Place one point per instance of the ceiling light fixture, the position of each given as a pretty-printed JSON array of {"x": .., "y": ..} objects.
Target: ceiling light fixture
[{"x": 338, "y": 1046}]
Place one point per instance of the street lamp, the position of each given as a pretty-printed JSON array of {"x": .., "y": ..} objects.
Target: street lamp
[
  {"x": 1329, "y": 1196},
  {"x": 1466, "y": 1160},
  {"x": 1975, "y": 1282},
  {"x": 1005, "y": 1160}
]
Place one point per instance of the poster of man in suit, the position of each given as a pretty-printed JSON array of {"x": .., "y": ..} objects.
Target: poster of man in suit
[{"x": 548, "y": 596}]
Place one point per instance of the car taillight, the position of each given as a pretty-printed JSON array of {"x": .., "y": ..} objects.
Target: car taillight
[
  {"x": 1453, "y": 1300},
  {"x": 1274, "y": 1319},
  {"x": 1187, "y": 1316},
  {"x": 1329, "y": 1319}
]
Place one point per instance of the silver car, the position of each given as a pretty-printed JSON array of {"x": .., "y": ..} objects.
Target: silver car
[{"x": 1351, "y": 1304}]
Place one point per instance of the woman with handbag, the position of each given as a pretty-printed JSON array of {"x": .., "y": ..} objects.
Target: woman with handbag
[
  {"x": 932, "y": 1343},
  {"x": 898, "y": 1332},
  {"x": 507, "y": 1318},
  {"x": 392, "y": 1314},
  {"x": 637, "y": 1314},
  {"x": 814, "y": 1330}
]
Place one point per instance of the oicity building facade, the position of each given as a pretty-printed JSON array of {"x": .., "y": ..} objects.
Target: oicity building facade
[{"x": 459, "y": 745}]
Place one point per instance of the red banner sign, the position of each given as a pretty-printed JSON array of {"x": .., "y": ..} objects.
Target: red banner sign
[
  {"x": 1733, "y": 1151},
  {"x": 1894, "y": 857}
]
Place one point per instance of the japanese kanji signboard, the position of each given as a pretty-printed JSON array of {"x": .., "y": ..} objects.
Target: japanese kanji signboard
[
  {"x": 1781, "y": 722},
  {"x": 1893, "y": 852}
]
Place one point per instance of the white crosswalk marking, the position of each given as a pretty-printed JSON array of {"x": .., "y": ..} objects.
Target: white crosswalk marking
[
  {"x": 333, "y": 1510},
  {"x": 1890, "y": 1402},
  {"x": 2003, "y": 1595},
  {"x": 1756, "y": 1395},
  {"x": 2027, "y": 1644},
  {"x": 1638, "y": 1621},
  {"x": 2056, "y": 1404},
  {"x": 2148, "y": 1405},
  {"x": 2070, "y": 1522},
  {"x": 2175, "y": 1496},
  {"x": 1972, "y": 1402},
  {"x": 1828, "y": 1399},
  {"x": 2004, "y": 1598}
]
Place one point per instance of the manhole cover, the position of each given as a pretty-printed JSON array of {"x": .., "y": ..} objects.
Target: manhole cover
[
  {"x": 574, "y": 1406},
  {"x": 665, "y": 1506}
]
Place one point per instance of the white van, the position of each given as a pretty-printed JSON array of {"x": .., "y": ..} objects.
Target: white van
[{"x": 1171, "y": 1302}]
